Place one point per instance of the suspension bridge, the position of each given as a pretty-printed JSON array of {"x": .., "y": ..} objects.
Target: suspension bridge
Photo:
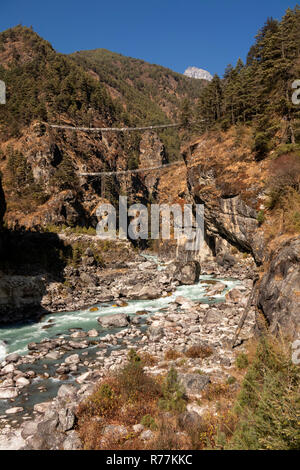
[
  {"x": 111, "y": 129},
  {"x": 104, "y": 174}
]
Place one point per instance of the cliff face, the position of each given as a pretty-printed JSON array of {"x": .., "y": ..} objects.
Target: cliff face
[
  {"x": 279, "y": 289},
  {"x": 225, "y": 179},
  {"x": 41, "y": 166},
  {"x": 229, "y": 182}
]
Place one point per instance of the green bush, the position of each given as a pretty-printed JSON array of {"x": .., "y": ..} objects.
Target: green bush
[
  {"x": 103, "y": 402},
  {"x": 134, "y": 383},
  {"x": 231, "y": 380},
  {"x": 242, "y": 361},
  {"x": 173, "y": 393},
  {"x": 149, "y": 422},
  {"x": 260, "y": 217},
  {"x": 261, "y": 145},
  {"x": 268, "y": 405}
]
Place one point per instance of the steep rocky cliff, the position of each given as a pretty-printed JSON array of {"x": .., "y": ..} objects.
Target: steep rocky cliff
[
  {"x": 41, "y": 166},
  {"x": 223, "y": 175},
  {"x": 226, "y": 179},
  {"x": 279, "y": 289}
]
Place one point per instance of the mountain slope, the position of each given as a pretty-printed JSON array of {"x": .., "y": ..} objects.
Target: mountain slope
[
  {"x": 40, "y": 165},
  {"x": 143, "y": 92},
  {"x": 146, "y": 92}
]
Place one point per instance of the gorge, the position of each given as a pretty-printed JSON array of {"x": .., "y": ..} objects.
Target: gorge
[{"x": 76, "y": 310}]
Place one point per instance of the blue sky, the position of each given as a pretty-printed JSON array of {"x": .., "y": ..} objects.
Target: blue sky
[{"x": 206, "y": 33}]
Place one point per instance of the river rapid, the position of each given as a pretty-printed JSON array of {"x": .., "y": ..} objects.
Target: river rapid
[{"x": 15, "y": 338}]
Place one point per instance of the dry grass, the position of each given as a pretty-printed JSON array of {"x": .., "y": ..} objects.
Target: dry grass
[
  {"x": 172, "y": 355},
  {"x": 148, "y": 360},
  {"x": 215, "y": 391},
  {"x": 124, "y": 399},
  {"x": 130, "y": 397},
  {"x": 199, "y": 351}
]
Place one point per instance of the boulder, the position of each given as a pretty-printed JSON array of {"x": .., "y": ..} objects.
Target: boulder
[
  {"x": 155, "y": 331},
  {"x": 67, "y": 392},
  {"x": 29, "y": 429},
  {"x": 235, "y": 296},
  {"x": 7, "y": 369},
  {"x": 138, "y": 428},
  {"x": 79, "y": 334},
  {"x": 93, "y": 333},
  {"x": 194, "y": 383},
  {"x": 9, "y": 392},
  {"x": 13, "y": 411},
  {"x": 186, "y": 273},
  {"x": 216, "y": 289},
  {"x": 14, "y": 357},
  {"x": 147, "y": 435},
  {"x": 73, "y": 359},
  {"x": 22, "y": 382},
  {"x": 226, "y": 260},
  {"x": 83, "y": 377},
  {"x": 119, "y": 320},
  {"x": 72, "y": 442},
  {"x": 279, "y": 290},
  {"x": 148, "y": 293},
  {"x": 189, "y": 420},
  {"x": 42, "y": 407},
  {"x": 114, "y": 431},
  {"x": 66, "y": 418}
]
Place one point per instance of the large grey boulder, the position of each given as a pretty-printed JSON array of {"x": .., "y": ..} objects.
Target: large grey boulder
[
  {"x": 66, "y": 418},
  {"x": 186, "y": 273},
  {"x": 189, "y": 420},
  {"x": 67, "y": 392},
  {"x": 9, "y": 392},
  {"x": 72, "y": 442},
  {"x": 13, "y": 357},
  {"x": 155, "y": 331},
  {"x": 194, "y": 383},
  {"x": 148, "y": 293},
  {"x": 118, "y": 320}
]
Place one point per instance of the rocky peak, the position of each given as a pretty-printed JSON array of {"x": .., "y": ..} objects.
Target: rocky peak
[
  {"x": 200, "y": 74},
  {"x": 21, "y": 45}
]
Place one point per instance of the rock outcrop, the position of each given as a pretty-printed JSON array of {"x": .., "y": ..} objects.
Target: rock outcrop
[
  {"x": 230, "y": 184},
  {"x": 279, "y": 289},
  {"x": 200, "y": 74},
  {"x": 186, "y": 273},
  {"x": 229, "y": 221}
]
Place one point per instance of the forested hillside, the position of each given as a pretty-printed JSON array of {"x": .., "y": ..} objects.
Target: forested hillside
[
  {"x": 143, "y": 92},
  {"x": 259, "y": 92},
  {"x": 91, "y": 88}
]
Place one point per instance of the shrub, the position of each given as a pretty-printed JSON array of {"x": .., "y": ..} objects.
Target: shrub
[
  {"x": 173, "y": 393},
  {"x": 231, "y": 380},
  {"x": 103, "y": 402},
  {"x": 268, "y": 404},
  {"x": 260, "y": 217},
  {"x": 172, "y": 354},
  {"x": 149, "y": 422},
  {"x": 199, "y": 351},
  {"x": 134, "y": 384},
  {"x": 284, "y": 177},
  {"x": 148, "y": 359},
  {"x": 241, "y": 361},
  {"x": 261, "y": 145},
  {"x": 215, "y": 391},
  {"x": 168, "y": 438}
]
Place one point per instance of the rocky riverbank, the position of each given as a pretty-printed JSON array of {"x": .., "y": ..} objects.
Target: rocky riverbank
[{"x": 179, "y": 325}]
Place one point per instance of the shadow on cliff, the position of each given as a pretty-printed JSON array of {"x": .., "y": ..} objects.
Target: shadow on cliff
[{"x": 29, "y": 261}]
